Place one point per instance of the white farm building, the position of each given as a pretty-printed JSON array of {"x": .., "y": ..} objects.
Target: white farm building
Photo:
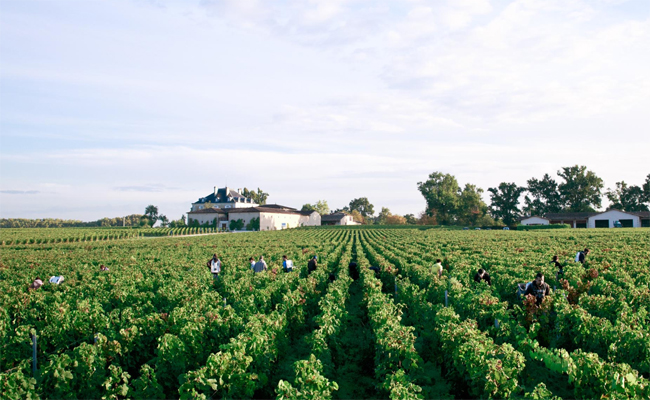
[
  {"x": 225, "y": 205},
  {"x": 607, "y": 219}
]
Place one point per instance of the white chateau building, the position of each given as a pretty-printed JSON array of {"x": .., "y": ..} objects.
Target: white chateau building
[
  {"x": 223, "y": 198},
  {"x": 225, "y": 205}
]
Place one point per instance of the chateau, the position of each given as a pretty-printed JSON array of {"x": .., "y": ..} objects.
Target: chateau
[{"x": 225, "y": 205}]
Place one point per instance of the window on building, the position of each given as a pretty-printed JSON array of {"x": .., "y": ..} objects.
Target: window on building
[
  {"x": 581, "y": 225},
  {"x": 602, "y": 223}
]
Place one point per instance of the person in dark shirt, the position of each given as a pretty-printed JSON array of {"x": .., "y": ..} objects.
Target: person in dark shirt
[
  {"x": 582, "y": 255},
  {"x": 312, "y": 264},
  {"x": 538, "y": 288},
  {"x": 353, "y": 270},
  {"x": 560, "y": 267},
  {"x": 482, "y": 275}
]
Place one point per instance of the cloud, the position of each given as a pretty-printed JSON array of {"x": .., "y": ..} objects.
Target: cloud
[
  {"x": 148, "y": 189},
  {"x": 19, "y": 191},
  {"x": 527, "y": 61}
]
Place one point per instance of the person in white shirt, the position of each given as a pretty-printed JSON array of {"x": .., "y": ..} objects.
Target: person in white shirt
[
  {"x": 215, "y": 267},
  {"x": 287, "y": 264},
  {"x": 252, "y": 261}
]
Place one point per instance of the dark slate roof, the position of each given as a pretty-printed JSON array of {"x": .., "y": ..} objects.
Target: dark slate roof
[
  {"x": 278, "y": 206},
  {"x": 565, "y": 216},
  {"x": 222, "y": 197},
  {"x": 332, "y": 217},
  {"x": 208, "y": 211}
]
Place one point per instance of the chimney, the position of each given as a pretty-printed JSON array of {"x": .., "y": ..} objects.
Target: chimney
[{"x": 215, "y": 190}]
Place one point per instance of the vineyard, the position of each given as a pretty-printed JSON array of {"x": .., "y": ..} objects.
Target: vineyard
[
  {"x": 72, "y": 235},
  {"x": 157, "y": 325}
]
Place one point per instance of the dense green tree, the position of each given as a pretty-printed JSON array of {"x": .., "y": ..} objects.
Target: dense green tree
[
  {"x": 581, "y": 189},
  {"x": 441, "y": 192},
  {"x": 383, "y": 216},
  {"x": 471, "y": 207},
  {"x": 320, "y": 206},
  {"x": 362, "y": 205},
  {"x": 544, "y": 196},
  {"x": 163, "y": 220},
  {"x": 626, "y": 198},
  {"x": 151, "y": 212},
  {"x": 505, "y": 201},
  {"x": 646, "y": 189},
  {"x": 410, "y": 219},
  {"x": 258, "y": 197},
  {"x": 236, "y": 224},
  {"x": 253, "y": 225}
]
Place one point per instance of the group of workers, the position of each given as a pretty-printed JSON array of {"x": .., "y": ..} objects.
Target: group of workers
[
  {"x": 260, "y": 265},
  {"x": 538, "y": 288}
]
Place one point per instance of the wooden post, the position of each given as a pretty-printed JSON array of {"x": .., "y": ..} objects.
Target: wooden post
[
  {"x": 446, "y": 296},
  {"x": 34, "y": 348},
  {"x": 496, "y": 323}
]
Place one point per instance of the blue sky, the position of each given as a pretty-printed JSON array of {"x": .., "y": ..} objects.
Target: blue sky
[{"x": 106, "y": 107}]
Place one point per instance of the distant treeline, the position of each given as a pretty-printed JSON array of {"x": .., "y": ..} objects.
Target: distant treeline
[{"x": 130, "y": 220}]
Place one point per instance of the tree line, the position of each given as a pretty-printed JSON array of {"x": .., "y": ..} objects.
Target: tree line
[
  {"x": 449, "y": 203},
  {"x": 129, "y": 221}
]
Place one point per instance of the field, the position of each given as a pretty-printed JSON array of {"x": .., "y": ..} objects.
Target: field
[{"x": 157, "y": 325}]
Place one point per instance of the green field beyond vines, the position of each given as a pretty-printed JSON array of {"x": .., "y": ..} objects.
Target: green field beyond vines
[{"x": 157, "y": 325}]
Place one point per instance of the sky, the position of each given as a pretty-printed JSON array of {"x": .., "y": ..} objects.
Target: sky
[{"x": 109, "y": 106}]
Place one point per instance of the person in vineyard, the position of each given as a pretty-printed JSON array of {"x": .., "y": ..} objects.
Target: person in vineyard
[
  {"x": 287, "y": 264},
  {"x": 312, "y": 264},
  {"x": 215, "y": 266},
  {"x": 103, "y": 268},
  {"x": 482, "y": 275},
  {"x": 38, "y": 282},
  {"x": 210, "y": 261},
  {"x": 560, "y": 267},
  {"x": 260, "y": 265},
  {"x": 252, "y": 261},
  {"x": 581, "y": 256},
  {"x": 437, "y": 267},
  {"x": 538, "y": 288}
]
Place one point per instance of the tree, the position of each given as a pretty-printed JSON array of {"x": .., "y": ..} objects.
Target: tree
[
  {"x": 258, "y": 197},
  {"x": 320, "y": 206},
  {"x": 504, "y": 202},
  {"x": 544, "y": 196},
  {"x": 426, "y": 219},
  {"x": 383, "y": 215},
  {"x": 626, "y": 198},
  {"x": 581, "y": 189},
  {"x": 410, "y": 219},
  {"x": 395, "y": 220},
  {"x": 357, "y": 217},
  {"x": 151, "y": 212},
  {"x": 441, "y": 192},
  {"x": 646, "y": 189},
  {"x": 253, "y": 225},
  {"x": 236, "y": 225},
  {"x": 163, "y": 220},
  {"x": 471, "y": 207},
  {"x": 363, "y": 206}
]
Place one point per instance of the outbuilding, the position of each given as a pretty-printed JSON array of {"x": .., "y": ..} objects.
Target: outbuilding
[
  {"x": 535, "y": 220},
  {"x": 608, "y": 218}
]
